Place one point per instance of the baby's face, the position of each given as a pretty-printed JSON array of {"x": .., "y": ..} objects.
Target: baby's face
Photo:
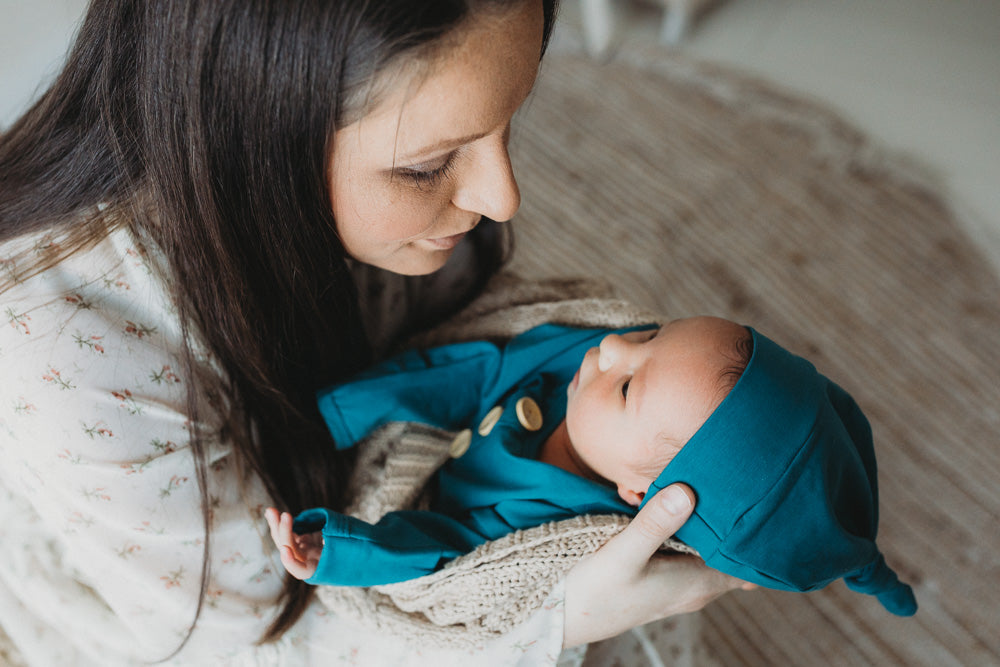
[{"x": 644, "y": 391}]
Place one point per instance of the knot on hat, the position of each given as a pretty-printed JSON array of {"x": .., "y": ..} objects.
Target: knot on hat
[{"x": 878, "y": 580}]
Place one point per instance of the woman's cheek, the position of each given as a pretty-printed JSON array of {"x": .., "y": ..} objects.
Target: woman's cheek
[{"x": 418, "y": 215}]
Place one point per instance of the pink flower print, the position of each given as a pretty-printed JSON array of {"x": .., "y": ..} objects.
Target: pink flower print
[
  {"x": 22, "y": 407},
  {"x": 351, "y": 657},
  {"x": 138, "y": 330},
  {"x": 147, "y": 527},
  {"x": 69, "y": 456},
  {"x": 175, "y": 483},
  {"x": 117, "y": 283},
  {"x": 262, "y": 574},
  {"x": 212, "y": 596},
  {"x": 127, "y": 401},
  {"x": 174, "y": 578},
  {"x": 97, "y": 493},
  {"x": 80, "y": 519},
  {"x": 18, "y": 320},
  {"x": 236, "y": 559},
  {"x": 78, "y": 301},
  {"x": 133, "y": 468},
  {"x": 90, "y": 342},
  {"x": 99, "y": 429},
  {"x": 163, "y": 447},
  {"x": 138, "y": 256},
  {"x": 54, "y": 377},
  {"x": 164, "y": 375},
  {"x": 128, "y": 549}
]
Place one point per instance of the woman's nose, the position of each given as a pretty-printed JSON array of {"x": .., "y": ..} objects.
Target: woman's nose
[{"x": 488, "y": 187}]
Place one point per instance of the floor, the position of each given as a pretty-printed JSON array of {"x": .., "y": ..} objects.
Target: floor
[{"x": 919, "y": 75}]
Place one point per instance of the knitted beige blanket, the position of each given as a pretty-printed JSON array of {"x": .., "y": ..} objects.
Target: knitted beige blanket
[{"x": 498, "y": 585}]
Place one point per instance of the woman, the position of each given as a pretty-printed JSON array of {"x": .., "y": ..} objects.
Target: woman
[{"x": 209, "y": 215}]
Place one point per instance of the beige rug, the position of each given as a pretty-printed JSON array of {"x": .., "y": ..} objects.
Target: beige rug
[{"x": 696, "y": 190}]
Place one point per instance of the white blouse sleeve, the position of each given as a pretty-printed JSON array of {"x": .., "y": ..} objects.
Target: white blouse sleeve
[{"x": 101, "y": 512}]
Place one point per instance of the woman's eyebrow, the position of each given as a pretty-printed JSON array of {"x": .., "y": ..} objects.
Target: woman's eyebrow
[{"x": 444, "y": 144}]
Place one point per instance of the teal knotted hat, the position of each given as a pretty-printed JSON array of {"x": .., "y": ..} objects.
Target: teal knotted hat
[{"x": 785, "y": 476}]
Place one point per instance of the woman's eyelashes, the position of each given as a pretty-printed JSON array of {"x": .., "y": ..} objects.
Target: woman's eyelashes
[{"x": 428, "y": 174}]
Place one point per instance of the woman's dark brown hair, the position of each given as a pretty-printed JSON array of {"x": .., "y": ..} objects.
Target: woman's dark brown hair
[{"x": 205, "y": 127}]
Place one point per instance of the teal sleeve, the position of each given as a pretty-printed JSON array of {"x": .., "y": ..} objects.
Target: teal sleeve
[{"x": 401, "y": 546}]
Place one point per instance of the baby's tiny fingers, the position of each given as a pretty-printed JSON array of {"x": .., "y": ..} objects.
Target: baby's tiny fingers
[
  {"x": 295, "y": 567},
  {"x": 287, "y": 536},
  {"x": 271, "y": 516}
]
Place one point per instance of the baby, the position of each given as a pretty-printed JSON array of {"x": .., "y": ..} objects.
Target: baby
[{"x": 573, "y": 421}]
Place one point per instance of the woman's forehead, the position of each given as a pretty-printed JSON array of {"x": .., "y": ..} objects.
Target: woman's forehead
[{"x": 467, "y": 89}]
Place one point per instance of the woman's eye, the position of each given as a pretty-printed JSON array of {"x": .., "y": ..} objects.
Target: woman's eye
[
  {"x": 625, "y": 389},
  {"x": 420, "y": 175}
]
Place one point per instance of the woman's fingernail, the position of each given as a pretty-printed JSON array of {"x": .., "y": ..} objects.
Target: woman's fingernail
[{"x": 675, "y": 500}]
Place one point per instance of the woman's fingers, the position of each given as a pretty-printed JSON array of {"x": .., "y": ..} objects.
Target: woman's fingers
[
  {"x": 625, "y": 583},
  {"x": 661, "y": 517}
]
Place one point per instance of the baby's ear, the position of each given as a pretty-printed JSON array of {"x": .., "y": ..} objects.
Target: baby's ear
[{"x": 633, "y": 498}]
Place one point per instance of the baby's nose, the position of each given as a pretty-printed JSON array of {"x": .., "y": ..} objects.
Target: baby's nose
[{"x": 611, "y": 349}]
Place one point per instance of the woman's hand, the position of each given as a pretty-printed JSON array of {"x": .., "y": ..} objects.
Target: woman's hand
[
  {"x": 624, "y": 584},
  {"x": 299, "y": 553}
]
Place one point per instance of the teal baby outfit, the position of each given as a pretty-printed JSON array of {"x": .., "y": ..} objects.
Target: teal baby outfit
[
  {"x": 784, "y": 468},
  {"x": 494, "y": 488}
]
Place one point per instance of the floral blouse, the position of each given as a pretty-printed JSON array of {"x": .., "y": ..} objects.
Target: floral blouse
[{"x": 101, "y": 525}]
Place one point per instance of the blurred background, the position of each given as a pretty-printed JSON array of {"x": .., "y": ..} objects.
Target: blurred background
[{"x": 920, "y": 76}]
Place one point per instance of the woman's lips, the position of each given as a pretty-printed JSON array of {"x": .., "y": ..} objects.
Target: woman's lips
[{"x": 445, "y": 242}]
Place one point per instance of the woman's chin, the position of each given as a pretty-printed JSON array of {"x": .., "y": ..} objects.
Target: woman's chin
[{"x": 415, "y": 260}]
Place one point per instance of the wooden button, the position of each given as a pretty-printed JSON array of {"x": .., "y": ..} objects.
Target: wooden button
[
  {"x": 489, "y": 421},
  {"x": 528, "y": 413},
  {"x": 460, "y": 444}
]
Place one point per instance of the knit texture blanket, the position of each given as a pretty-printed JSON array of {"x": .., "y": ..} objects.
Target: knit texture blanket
[{"x": 490, "y": 590}]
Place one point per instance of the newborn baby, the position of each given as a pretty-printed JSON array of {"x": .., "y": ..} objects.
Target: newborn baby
[{"x": 575, "y": 421}]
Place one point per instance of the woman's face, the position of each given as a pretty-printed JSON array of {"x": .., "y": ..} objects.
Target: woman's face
[{"x": 417, "y": 173}]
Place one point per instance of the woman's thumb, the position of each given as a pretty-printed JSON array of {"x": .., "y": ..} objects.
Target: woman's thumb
[{"x": 658, "y": 520}]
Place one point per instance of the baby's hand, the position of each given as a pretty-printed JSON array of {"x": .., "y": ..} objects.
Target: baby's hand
[{"x": 299, "y": 553}]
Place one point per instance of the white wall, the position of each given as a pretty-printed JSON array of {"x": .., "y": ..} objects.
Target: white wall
[{"x": 34, "y": 37}]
